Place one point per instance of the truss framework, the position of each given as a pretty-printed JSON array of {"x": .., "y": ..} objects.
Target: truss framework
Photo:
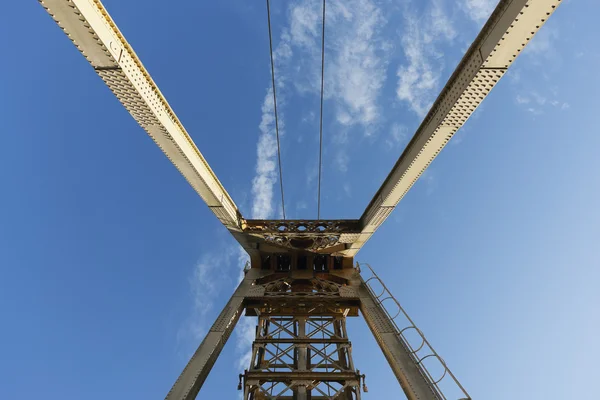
[
  {"x": 504, "y": 36},
  {"x": 297, "y": 356},
  {"x": 301, "y": 348},
  {"x": 294, "y": 298},
  {"x": 510, "y": 27}
]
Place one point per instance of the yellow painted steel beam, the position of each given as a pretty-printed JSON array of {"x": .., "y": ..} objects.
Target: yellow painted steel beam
[
  {"x": 510, "y": 27},
  {"x": 94, "y": 33}
]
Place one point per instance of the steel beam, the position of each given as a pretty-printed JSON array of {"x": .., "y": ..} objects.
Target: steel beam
[
  {"x": 412, "y": 380},
  {"x": 509, "y": 29},
  {"x": 95, "y": 34},
  {"x": 303, "y": 354},
  {"x": 299, "y": 375},
  {"x": 193, "y": 376}
]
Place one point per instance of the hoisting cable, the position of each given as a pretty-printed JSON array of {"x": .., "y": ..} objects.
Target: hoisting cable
[
  {"x": 275, "y": 106},
  {"x": 321, "y": 117}
]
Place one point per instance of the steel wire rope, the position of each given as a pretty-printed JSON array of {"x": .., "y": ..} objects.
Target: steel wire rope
[
  {"x": 321, "y": 116},
  {"x": 275, "y": 107}
]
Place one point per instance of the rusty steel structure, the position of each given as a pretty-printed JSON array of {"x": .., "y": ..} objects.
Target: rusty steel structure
[{"x": 302, "y": 281}]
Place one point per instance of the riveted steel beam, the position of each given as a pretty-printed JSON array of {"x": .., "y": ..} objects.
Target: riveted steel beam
[
  {"x": 95, "y": 34},
  {"x": 412, "y": 380},
  {"x": 196, "y": 371},
  {"x": 509, "y": 29}
]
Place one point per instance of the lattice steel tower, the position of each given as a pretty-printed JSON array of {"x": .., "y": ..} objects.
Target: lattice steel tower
[
  {"x": 302, "y": 282},
  {"x": 301, "y": 298}
]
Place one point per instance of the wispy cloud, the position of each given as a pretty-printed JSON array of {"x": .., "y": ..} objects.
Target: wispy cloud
[
  {"x": 347, "y": 189},
  {"x": 206, "y": 284},
  {"x": 536, "y": 103},
  {"x": 539, "y": 99},
  {"x": 419, "y": 76},
  {"x": 266, "y": 162},
  {"x": 522, "y": 99},
  {"x": 358, "y": 61},
  {"x": 312, "y": 173},
  {"x": 540, "y": 51},
  {"x": 479, "y": 10},
  {"x": 542, "y": 44},
  {"x": 356, "y": 56},
  {"x": 398, "y": 136},
  {"x": 204, "y": 288},
  {"x": 245, "y": 332},
  {"x": 341, "y": 161},
  {"x": 245, "y": 329},
  {"x": 429, "y": 180},
  {"x": 301, "y": 205},
  {"x": 266, "y": 149}
]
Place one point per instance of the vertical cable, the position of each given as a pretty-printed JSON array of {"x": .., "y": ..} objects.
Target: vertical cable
[
  {"x": 275, "y": 107},
  {"x": 321, "y": 118}
]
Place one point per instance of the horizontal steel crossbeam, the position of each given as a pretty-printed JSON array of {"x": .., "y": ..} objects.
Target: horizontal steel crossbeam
[{"x": 309, "y": 375}]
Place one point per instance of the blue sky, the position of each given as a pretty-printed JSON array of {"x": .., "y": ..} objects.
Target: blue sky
[{"x": 112, "y": 268}]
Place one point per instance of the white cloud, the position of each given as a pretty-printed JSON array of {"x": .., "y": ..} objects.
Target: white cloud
[
  {"x": 536, "y": 103},
  {"x": 358, "y": 61},
  {"x": 301, "y": 205},
  {"x": 429, "y": 180},
  {"x": 266, "y": 163},
  {"x": 204, "y": 286},
  {"x": 522, "y": 99},
  {"x": 341, "y": 161},
  {"x": 398, "y": 135},
  {"x": 542, "y": 44},
  {"x": 418, "y": 78},
  {"x": 513, "y": 74},
  {"x": 479, "y": 10},
  {"x": 267, "y": 171},
  {"x": 244, "y": 330},
  {"x": 356, "y": 56},
  {"x": 539, "y": 51},
  {"x": 355, "y": 70},
  {"x": 305, "y": 23},
  {"x": 312, "y": 173},
  {"x": 309, "y": 118},
  {"x": 440, "y": 23},
  {"x": 206, "y": 283},
  {"x": 539, "y": 99},
  {"x": 347, "y": 189},
  {"x": 245, "y": 334}
]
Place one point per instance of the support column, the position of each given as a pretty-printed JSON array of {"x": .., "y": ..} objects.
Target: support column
[
  {"x": 302, "y": 359},
  {"x": 405, "y": 367},
  {"x": 193, "y": 376}
]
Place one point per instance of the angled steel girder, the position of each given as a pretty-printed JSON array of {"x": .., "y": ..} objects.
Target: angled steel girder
[
  {"x": 508, "y": 30},
  {"x": 510, "y": 27},
  {"x": 96, "y": 36},
  {"x": 410, "y": 376},
  {"x": 301, "y": 339},
  {"x": 196, "y": 371}
]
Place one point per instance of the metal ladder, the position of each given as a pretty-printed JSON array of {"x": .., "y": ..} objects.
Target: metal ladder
[{"x": 431, "y": 365}]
